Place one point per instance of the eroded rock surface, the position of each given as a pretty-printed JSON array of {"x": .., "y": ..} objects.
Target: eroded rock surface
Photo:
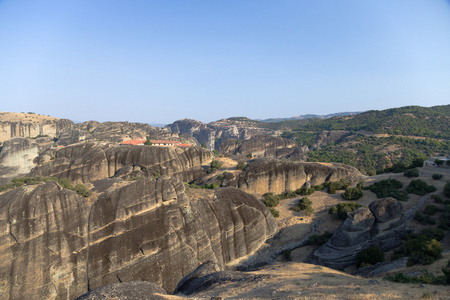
[
  {"x": 54, "y": 245},
  {"x": 264, "y": 146},
  {"x": 88, "y": 162},
  {"x": 382, "y": 224},
  {"x": 276, "y": 176}
]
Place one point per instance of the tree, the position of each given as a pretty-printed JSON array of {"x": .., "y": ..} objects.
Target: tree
[
  {"x": 148, "y": 142},
  {"x": 203, "y": 145},
  {"x": 438, "y": 162}
]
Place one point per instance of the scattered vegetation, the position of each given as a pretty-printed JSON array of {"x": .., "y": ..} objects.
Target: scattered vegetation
[
  {"x": 423, "y": 248},
  {"x": 369, "y": 256},
  {"x": 353, "y": 193},
  {"x": 337, "y": 185},
  {"x": 388, "y": 188},
  {"x": 424, "y": 278},
  {"x": 419, "y": 187},
  {"x": 424, "y": 219},
  {"x": 303, "y": 205},
  {"x": 148, "y": 142},
  {"x": 270, "y": 199},
  {"x": 340, "y": 210},
  {"x": 215, "y": 165},
  {"x": 411, "y": 173},
  {"x": 319, "y": 240},
  {"x": 304, "y": 191},
  {"x": 65, "y": 183},
  {"x": 447, "y": 189},
  {"x": 275, "y": 213}
]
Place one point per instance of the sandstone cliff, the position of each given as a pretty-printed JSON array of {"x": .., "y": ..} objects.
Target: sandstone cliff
[
  {"x": 382, "y": 224},
  {"x": 54, "y": 246},
  {"x": 271, "y": 175},
  {"x": 30, "y": 125},
  {"x": 88, "y": 162},
  {"x": 264, "y": 146}
]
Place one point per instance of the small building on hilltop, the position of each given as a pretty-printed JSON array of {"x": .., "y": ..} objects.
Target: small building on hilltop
[
  {"x": 137, "y": 141},
  {"x": 432, "y": 162},
  {"x": 164, "y": 143}
]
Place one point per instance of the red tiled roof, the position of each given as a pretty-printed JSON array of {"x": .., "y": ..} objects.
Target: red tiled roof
[
  {"x": 134, "y": 142},
  {"x": 184, "y": 145}
]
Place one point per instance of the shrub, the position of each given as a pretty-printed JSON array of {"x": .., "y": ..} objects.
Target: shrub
[
  {"x": 447, "y": 189},
  {"x": 288, "y": 194},
  {"x": 340, "y": 211},
  {"x": 249, "y": 155},
  {"x": 337, "y": 185},
  {"x": 352, "y": 193},
  {"x": 369, "y": 256},
  {"x": 419, "y": 187},
  {"x": 304, "y": 205},
  {"x": 318, "y": 187},
  {"x": 241, "y": 165},
  {"x": 319, "y": 240},
  {"x": 423, "y": 248},
  {"x": 270, "y": 200},
  {"x": 436, "y": 198},
  {"x": 304, "y": 191},
  {"x": 215, "y": 165},
  {"x": 411, "y": 173},
  {"x": 275, "y": 213},
  {"x": 424, "y": 218},
  {"x": 431, "y": 209},
  {"x": 388, "y": 188},
  {"x": 437, "y": 176},
  {"x": 82, "y": 190},
  {"x": 425, "y": 278},
  {"x": 444, "y": 221}
]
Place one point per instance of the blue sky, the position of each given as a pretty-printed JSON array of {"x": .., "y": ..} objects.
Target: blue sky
[{"x": 159, "y": 61}]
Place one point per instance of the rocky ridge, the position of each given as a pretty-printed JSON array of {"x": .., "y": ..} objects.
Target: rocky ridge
[{"x": 148, "y": 230}]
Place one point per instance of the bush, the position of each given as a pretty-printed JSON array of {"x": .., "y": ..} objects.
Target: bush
[
  {"x": 419, "y": 187},
  {"x": 424, "y": 218},
  {"x": 437, "y": 176},
  {"x": 304, "y": 191},
  {"x": 424, "y": 278},
  {"x": 319, "y": 240},
  {"x": 411, "y": 173},
  {"x": 304, "y": 205},
  {"x": 215, "y": 165},
  {"x": 436, "y": 198},
  {"x": 270, "y": 200},
  {"x": 340, "y": 211},
  {"x": 447, "y": 189},
  {"x": 423, "y": 248},
  {"x": 369, "y": 256},
  {"x": 444, "y": 221},
  {"x": 388, "y": 188},
  {"x": 431, "y": 209},
  {"x": 241, "y": 165},
  {"x": 82, "y": 190},
  {"x": 337, "y": 185},
  {"x": 352, "y": 193},
  {"x": 275, "y": 213}
]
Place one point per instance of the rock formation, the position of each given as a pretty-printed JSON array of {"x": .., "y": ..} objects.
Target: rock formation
[
  {"x": 382, "y": 224},
  {"x": 264, "y": 146},
  {"x": 276, "y": 176},
  {"x": 17, "y": 156},
  {"x": 30, "y": 125},
  {"x": 54, "y": 245},
  {"x": 88, "y": 162},
  {"x": 135, "y": 290}
]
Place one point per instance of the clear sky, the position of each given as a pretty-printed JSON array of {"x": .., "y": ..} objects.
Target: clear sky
[{"x": 159, "y": 61}]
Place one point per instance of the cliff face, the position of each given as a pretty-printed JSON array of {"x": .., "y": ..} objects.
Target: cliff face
[
  {"x": 276, "y": 176},
  {"x": 30, "y": 125},
  {"x": 43, "y": 243},
  {"x": 215, "y": 133},
  {"x": 16, "y": 158},
  {"x": 88, "y": 162},
  {"x": 382, "y": 224},
  {"x": 264, "y": 146},
  {"x": 54, "y": 246}
]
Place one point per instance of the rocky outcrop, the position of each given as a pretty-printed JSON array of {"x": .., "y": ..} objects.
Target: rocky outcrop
[
  {"x": 16, "y": 158},
  {"x": 43, "y": 243},
  {"x": 264, "y": 146},
  {"x": 271, "y": 175},
  {"x": 30, "y": 125},
  {"x": 213, "y": 134},
  {"x": 382, "y": 224},
  {"x": 54, "y": 245},
  {"x": 88, "y": 162},
  {"x": 209, "y": 274}
]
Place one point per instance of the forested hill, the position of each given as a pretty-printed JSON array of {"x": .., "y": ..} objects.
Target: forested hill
[{"x": 430, "y": 122}]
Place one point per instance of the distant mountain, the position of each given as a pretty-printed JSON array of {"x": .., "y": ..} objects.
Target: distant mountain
[{"x": 310, "y": 116}]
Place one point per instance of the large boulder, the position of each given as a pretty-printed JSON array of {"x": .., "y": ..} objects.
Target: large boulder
[
  {"x": 54, "y": 244},
  {"x": 382, "y": 225}
]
